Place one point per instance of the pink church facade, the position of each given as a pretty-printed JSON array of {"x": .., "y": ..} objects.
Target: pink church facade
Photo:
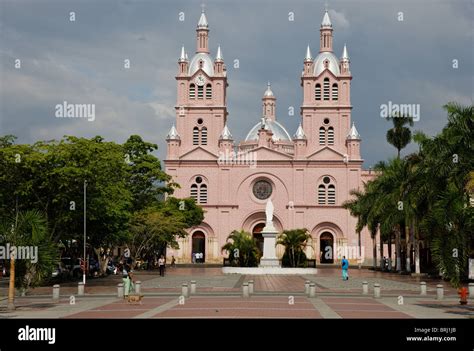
[{"x": 308, "y": 176}]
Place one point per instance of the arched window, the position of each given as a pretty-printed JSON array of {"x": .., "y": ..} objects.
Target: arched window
[
  {"x": 199, "y": 190},
  {"x": 194, "y": 192},
  {"x": 192, "y": 91},
  {"x": 326, "y": 89},
  {"x": 335, "y": 92},
  {"x": 321, "y": 195},
  {"x": 317, "y": 92},
  {"x": 200, "y": 91},
  {"x": 330, "y": 136},
  {"x": 203, "y": 194},
  {"x": 195, "y": 136},
  {"x": 322, "y": 136},
  {"x": 326, "y": 192},
  {"x": 209, "y": 91},
  {"x": 204, "y": 136},
  {"x": 331, "y": 194}
]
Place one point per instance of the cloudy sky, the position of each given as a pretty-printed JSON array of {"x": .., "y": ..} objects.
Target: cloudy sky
[{"x": 82, "y": 61}]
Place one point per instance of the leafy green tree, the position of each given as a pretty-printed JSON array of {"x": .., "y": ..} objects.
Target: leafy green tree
[
  {"x": 157, "y": 227},
  {"x": 242, "y": 249},
  {"x": 146, "y": 180}
]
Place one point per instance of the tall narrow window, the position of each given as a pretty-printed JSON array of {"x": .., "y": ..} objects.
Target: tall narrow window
[
  {"x": 317, "y": 92},
  {"x": 330, "y": 136},
  {"x": 331, "y": 194},
  {"x": 322, "y": 136},
  {"x": 335, "y": 92},
  {"x": 203, "y": 194},
  {"x": 327, "y": 192},
  {"x": 321, "y": 195},
  {"x": 326, "y": 89},
  {"x": 200, "y": 91},
  {"x": 209, "y": 91},
  {"x": 192, "y": 91},
  {"x": 194, "y": 192},
  {"x": 195, "y": 136},
  {"x": 204, "y": 136}
]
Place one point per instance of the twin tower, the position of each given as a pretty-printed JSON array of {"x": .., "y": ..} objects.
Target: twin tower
[{"x": 325, "y": 131}]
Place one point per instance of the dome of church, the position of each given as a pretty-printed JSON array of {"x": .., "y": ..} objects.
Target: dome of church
[
  {"x": 319, "y": 63},
  {"x": 279, "y": 132},
  {"x": 207, "y": 64}
]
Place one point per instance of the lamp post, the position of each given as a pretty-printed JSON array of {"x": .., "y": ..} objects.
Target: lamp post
[{"x": 85, "y": 267}]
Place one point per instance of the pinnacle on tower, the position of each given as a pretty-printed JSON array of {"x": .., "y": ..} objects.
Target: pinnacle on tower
[
  {"x": 219, "y": 56},
  {"x": 345, "y": 56},
  {"x": 326, "y": 20},
  {"x": 173, "y": 134},
  {"x": 203, "y": 20},
  {"x": 183, "y": 56},
  {"x": 353, "y": 133},
  {"x": 299, "y": 135},
  {"x": 269, "y": 91},
  {"x": 226, "y": 135},
  {"x": 308, "y": 56}
]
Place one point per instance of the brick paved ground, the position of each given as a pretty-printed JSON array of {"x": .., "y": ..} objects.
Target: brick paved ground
[{"x": 220, "y": 296}]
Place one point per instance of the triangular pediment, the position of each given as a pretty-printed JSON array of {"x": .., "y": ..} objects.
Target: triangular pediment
[
  {"x": 198, "y": 154},
  {"x": 326, "y": 153},
  {"x": 263, "y": 153}
]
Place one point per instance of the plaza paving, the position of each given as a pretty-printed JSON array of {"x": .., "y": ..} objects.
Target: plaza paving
[{"x": 220, "y": 296}]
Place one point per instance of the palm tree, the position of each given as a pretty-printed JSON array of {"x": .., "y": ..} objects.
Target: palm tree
[
  {"x": 29, "y": 229},
  {"x": 361, "y": 206},
  {"x": 295, "y": 242},
  {"x": 242, "y": 249},
  {"x": 399, "y": 136}
]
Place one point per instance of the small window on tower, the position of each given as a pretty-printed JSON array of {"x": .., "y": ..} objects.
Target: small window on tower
[
  {"x": 326, "y": 88},
  {"x": 209, "y": 91},
  {"x": 204, "y": 136},
  {"x": 195, "y": 136},
  {"x": 317, "y": 92},
  {"x": 322, "y": 136},
  {"x": 335, "y": 92},
  {"x": 192, "y": 91},
  {"x": 200, "y": 91},
  {"x": 331, "y": 136}
]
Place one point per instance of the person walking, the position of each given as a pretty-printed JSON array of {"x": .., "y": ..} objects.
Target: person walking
[
  {"x": 161, "y": 264},
  {"x": 127, "y": 279},
  {"x": 173, "y": 262},
  {"x": 345, "y": 268}
]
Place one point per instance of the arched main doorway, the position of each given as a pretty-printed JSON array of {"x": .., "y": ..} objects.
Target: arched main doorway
[
  {"x": 199, "y": 247},
  {"x": 257, "y": 235},
  {"x": 326, "y": 245}
]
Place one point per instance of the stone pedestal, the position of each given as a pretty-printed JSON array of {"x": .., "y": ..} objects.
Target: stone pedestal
[{"x": 269, "y": 258}]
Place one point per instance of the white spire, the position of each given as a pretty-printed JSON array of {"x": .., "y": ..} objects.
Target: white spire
[
  {"x": 219, "y": 56},
  {"x": 173, "y": 134},
  {"x": 186, "y": 56},
  {"x": 308, "y": 56},
  {"x": 269, "y": 91},
  {"x": 345, "y": 55},
  {"x": 182, "y": 57},
  {"x": 353, "y": 133},
  {"x": 299, "y": 135},
  {"x": 326, "y": 21},
  {"x": 203, "y": 20},
  {"x": 226, "y": 135}
]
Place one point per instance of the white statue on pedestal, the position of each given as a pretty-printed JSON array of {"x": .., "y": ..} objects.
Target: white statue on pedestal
[{"x": 269, "y": 214}]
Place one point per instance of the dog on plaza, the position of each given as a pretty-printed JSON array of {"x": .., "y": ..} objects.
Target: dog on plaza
[{"x": 135, "y": 298}]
